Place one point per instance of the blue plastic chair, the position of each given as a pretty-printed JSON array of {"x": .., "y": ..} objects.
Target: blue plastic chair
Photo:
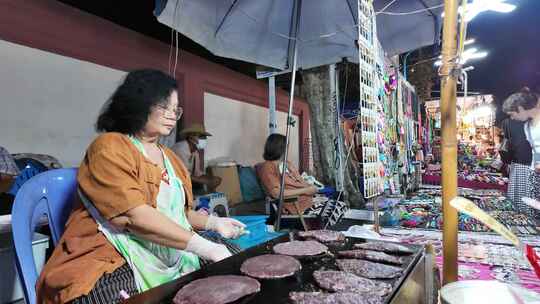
[
  {"x": 50, "y": 193},
  {"x": 29, "y": 168}
]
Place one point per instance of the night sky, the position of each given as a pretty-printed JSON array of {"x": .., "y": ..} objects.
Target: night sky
[{"x": 513, "y": 43}]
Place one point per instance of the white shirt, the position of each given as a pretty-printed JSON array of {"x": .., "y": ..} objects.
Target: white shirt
[
  {"x": 190, "y": 160},
  {"x": 533, "y": 136}
]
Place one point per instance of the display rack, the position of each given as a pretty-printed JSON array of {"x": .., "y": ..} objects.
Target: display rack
[
  {"x": 368, "y": 101},
  {"x": 408, "y": 133},
  {"x": 387, "y": 135}
]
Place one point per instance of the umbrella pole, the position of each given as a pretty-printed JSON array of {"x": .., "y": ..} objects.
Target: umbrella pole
[
  {"x": 286, "y": 155},
  {"x": 289, "y": 117},
  {"x": 272, "y": 125},
  {"x": 449, "y": 142}
]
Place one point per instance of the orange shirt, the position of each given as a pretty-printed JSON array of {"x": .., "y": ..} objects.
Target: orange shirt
[
  {"x": 116, "y": 177},
  {"x": 270, "y": 177}
]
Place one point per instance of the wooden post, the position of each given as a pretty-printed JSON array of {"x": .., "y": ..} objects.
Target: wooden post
[{"x": 449, "y": 141}]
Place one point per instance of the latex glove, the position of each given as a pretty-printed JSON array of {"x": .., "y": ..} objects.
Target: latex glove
[
  {"x": 227, "y": 227},
  {"x": 206, "y": 249}
]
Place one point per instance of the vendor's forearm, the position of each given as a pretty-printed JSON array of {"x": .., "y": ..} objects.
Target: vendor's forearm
[
  {"x": 197, "y": 219},
  {"x": 289, "y": 192},
  {"x": 293, "y": 192},
  {"x": 199, "y": 179},
  {"x": 149, "y": 224}
]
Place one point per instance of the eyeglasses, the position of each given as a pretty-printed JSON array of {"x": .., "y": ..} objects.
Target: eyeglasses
[{"x": 164, "y": 109}]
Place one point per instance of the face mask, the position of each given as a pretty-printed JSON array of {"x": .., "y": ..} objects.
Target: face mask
[{"x": 201, "y": 144}]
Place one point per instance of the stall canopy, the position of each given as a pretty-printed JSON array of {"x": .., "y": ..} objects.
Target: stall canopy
[
  {"x": 408, "y": 24},
  {"x": 261, "y": 31}
]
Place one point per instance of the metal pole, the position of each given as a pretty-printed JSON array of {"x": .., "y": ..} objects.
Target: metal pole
[
  {"x": 272, "y": 121},
  {"x": 376, "y": 219},
  {"x": 297, "y": 8},
  {"x": 405, "y": 65},
  {"x": 449, "y": 142}
]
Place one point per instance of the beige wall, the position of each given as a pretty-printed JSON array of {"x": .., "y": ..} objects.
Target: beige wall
[
  {"x": 240, "y": 129},
  {"x": 49, "y": 103}
]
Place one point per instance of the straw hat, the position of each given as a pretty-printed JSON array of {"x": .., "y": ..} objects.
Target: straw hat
[{"x": 194, "y": 129}]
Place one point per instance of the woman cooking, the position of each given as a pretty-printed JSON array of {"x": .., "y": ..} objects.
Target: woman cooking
[{"x": 132, "y": 227}]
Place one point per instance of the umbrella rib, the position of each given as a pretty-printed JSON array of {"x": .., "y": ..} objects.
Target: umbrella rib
[
  {"x": 435, "y": 22},
  {"x": 293, "y": 32},
  {"x": 351, "y": 11},
  {"x": 225, "y": 17}
]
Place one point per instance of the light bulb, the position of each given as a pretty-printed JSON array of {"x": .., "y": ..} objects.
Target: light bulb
[{"x": 479, "y": 6}]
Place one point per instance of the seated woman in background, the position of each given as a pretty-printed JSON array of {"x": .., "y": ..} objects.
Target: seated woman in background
[
  {"x": 133, "y": 226},
  {"x": 270, "y": 172}
]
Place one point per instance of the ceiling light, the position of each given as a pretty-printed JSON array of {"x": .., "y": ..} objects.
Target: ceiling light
[{"x": 468, "y": 54}]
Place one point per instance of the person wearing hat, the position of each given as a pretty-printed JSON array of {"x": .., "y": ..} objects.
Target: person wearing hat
[{"x": 193, "y": 140}]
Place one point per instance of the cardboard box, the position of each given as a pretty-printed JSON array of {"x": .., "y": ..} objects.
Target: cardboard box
[{"x": 230, "y": 183}]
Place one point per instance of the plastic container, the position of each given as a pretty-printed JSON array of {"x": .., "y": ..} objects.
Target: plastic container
[
  {"x": 390, "y": 218},
  {"x": 493, "y": 292},
  {"x": 10, "y": 288},
  {"x": 213, "y": 203},
  {"x": 258, "y": 233}
]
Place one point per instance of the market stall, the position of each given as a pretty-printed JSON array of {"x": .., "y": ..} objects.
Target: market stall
[
  {"x": 423, "y": 209},
  {"x": 479, "y": 165},
  {"x": 375, "y": 72},
  {"x": 386, "y": 131},
  {"x": 482, "y": 256}
]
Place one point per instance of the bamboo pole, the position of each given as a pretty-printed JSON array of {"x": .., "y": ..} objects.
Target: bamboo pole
[{"x": 449, "y": 141}]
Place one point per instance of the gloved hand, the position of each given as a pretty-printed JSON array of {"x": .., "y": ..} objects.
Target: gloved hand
[
  {"x": 206, "y": 249},
  {"x": 311, "y": 190},
  {"x": 227, "y": 227}
]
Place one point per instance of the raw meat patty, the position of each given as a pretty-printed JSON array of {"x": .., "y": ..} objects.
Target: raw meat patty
[
  {"x": 341, "y": 281},
  {"x": 368, "y": 269},
  {"x": 375, "y": 256},
  {"x": 324, "y": 236},
  {"x": 217, "y": 290},
  {"x": 300, "y": 248},
  {"x": 385, "y": 247},
  {"x": 270, "y": 266},
  {"x": 333, "y": 298}
]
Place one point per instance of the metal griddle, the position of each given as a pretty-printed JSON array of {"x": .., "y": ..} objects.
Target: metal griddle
[{"x": 274, "y": 291}]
